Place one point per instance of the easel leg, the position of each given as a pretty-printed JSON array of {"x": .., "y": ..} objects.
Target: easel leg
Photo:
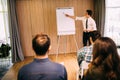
[
  {"x": 65, "y": 45},
  {"x": 58, "y": 48},
  {"x": 65, "y": 51},
  {"x": 75, "y": 42}
]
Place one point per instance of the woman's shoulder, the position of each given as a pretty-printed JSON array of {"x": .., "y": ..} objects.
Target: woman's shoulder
[
  {"x": 94, "y": 73},
  {"x": 96, "y": 69}
]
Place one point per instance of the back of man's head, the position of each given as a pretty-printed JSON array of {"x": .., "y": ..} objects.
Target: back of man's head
[
  {"x": 89, "y": 12},
  {"x": 41, "y": 44},
  {"x": 95, "y": 35}
]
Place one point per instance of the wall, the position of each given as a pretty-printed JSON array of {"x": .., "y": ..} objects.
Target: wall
[{"x": 39, "y": 16}]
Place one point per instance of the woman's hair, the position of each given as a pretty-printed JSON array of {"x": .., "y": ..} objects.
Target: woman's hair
[{"x": 105, "y": 54}]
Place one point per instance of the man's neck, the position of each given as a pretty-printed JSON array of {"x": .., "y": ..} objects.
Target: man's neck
[
  {"x": 87, "y": 16},
  {"x": 41, "y": 56}
]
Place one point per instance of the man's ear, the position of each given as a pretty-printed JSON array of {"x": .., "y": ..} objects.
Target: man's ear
[{"x": 49, "y": 48}]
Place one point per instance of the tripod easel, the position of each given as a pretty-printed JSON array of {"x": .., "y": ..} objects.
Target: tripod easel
[{"x": 59, "y": 36}]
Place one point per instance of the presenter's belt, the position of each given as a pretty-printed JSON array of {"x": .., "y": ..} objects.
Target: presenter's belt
[{"x": 87, "y": 31}]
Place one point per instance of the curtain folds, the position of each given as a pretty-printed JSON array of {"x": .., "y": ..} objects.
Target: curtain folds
[
  {"x": 17, "y": 54},
  {"x": 99, "y": 8}
]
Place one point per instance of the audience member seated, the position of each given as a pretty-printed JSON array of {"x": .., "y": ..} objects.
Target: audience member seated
[
  {"x": 42, "y": 68},
  {"x": 106, "y": 61},
  {"x": 85, "y": 53}
]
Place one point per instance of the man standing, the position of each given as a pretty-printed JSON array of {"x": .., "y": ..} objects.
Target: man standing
[
  {"x": 41, "y": 68},
  {"x": 89, "y": 25}
]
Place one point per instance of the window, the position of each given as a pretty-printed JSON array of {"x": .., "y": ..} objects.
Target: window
[
  {"x": 112, "y": 26},
  {"x": 4, "y": 30},
  {"x": 5, "y": 59}
]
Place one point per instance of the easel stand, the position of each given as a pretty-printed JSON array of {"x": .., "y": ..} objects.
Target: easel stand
[{"x": 59, "y": 36}]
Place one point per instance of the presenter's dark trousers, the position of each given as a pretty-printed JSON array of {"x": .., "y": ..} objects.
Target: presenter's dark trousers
[{"x": 86, "y": 38}]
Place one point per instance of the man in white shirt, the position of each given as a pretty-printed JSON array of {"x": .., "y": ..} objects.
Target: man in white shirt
[{"x": 89, "y": 25}]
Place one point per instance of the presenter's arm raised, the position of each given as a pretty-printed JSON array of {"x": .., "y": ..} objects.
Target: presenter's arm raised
[{"x": 67, "y": 15}]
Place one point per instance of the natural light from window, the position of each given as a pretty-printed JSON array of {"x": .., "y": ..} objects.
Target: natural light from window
[
  {"x": 112, "y": 26},
  {"x": 4, "y": 31}
]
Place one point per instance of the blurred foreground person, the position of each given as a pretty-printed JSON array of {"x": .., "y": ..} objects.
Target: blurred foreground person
[
  {"x": 106, "y": 61},
  {"x": 41, "y": 68}
]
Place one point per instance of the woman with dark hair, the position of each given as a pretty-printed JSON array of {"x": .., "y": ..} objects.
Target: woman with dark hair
[{"x": 106, "y": 61}]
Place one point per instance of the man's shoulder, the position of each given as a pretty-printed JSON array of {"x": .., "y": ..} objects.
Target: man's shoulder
[
  {"x": 85, "y": 47},
  {"x": 60, "y": 64},
  {"x": 92, "y": 19},
  {"x": 84, "y": 50},
  {"x": 25, "y": 67}
]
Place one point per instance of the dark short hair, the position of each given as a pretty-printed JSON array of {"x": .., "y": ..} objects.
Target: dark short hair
[
  {"x": 40, "y": 44},
  {"x": 89, "y": 12},
  {"x": 95, "y": 35}
]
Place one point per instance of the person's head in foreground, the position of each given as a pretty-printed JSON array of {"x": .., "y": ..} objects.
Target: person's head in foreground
[
  {"x": 94, "y": 36},
  {"x": 42, "y": 68},
  {"x": 41, "y": 44}
]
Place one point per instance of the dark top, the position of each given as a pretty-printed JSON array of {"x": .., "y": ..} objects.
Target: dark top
[
  {"x": 42, "y": 69},
  {"x": 98, "y": 73},
  {"x": 95, "y": 73}
]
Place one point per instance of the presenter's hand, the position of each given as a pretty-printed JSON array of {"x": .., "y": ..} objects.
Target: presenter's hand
[
  {"x": 67, "y": 15},
  {"x": 84, "y": 30}
]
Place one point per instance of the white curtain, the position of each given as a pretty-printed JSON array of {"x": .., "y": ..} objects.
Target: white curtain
[{"x": 4, "y": 31}]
